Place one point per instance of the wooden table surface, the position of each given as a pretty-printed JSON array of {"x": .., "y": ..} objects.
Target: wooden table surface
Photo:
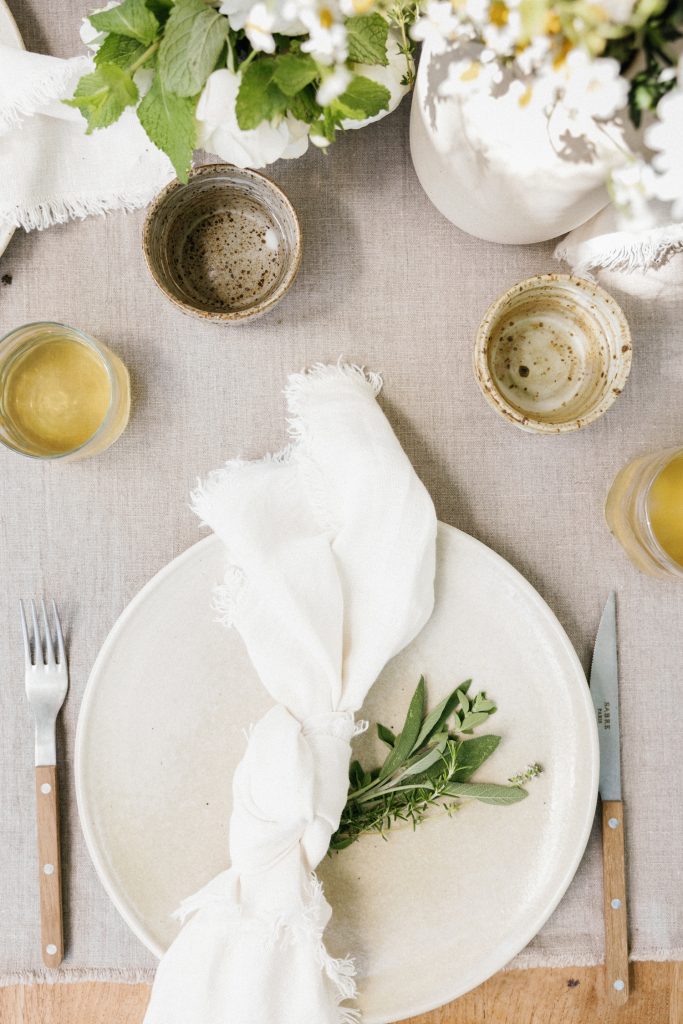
[{"x": 568, "y": 995}]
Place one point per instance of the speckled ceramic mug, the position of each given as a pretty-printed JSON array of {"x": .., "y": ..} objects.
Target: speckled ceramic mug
[
  {"x": 226, "y": 246},
  {"x": 553, "y": 353}
]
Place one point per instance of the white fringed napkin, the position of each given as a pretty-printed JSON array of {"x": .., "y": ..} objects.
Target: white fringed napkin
[
  {"x": 332, "y": 552},
  {"x": 50, "y": 169}
]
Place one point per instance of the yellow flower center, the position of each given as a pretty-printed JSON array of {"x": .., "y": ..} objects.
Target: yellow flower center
[
  {"x": 326, "y": 19},
  {"x": 471, "y": 72},
  {"x": 498, "y": 13},
  {"x": 552, "y": 23}
]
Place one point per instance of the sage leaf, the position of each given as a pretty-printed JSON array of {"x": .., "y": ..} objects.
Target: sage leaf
[
  {"x": 471, "y": 755},
  {"x": 194, "y": 37},
  {"x": 131, "y": 18},
  {"x": 293, "y": 72},
  {"x": 169, "y": 121},
  {"x": 405, "y": 742},
  {"x": 472, "y": 719},
  {"x": 437, "y": 718},
  {"x": 367, "y": 39},
  {"x": 487, "y": 792},
  {"x": 259, "y": 99},
  {"x": 386, "y": 735},
  {"x": 103, "y": 95},
  {"x": 464, "y": 701}
]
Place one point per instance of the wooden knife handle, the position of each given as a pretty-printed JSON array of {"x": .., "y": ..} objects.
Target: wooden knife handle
[
  {"x": 614, "y": 890},
  {"x": 50, "y": 878}
]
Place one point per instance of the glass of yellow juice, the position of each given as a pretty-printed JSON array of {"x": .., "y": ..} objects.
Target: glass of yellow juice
[
  {"x": 644, "y": 511},
  {"x": 63, "y": 395}
]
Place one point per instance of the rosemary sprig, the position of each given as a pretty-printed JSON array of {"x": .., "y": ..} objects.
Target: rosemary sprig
[{"x": 429, "y": 764}]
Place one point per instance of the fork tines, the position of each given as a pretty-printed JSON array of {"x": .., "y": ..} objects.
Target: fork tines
[{"x": 39, "y": 649}]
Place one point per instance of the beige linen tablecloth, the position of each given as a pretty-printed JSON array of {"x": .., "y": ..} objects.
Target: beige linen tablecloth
[{"x": 387, "y": 282}]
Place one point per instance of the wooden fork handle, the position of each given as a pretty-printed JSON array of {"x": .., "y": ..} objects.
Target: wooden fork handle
[
  {"x": 50, "y": 878},
  {"x": 614, "y": 889}
]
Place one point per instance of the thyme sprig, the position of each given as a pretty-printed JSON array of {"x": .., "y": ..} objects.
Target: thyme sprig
[{"x": 429, "y": 764}]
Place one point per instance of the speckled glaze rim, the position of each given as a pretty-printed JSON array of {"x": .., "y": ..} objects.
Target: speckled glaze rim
[
  {"x": 237, "y": 316},
  {"x": 622, "y": 357}
]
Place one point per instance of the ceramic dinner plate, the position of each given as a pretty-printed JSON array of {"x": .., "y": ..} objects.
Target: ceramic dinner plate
[
  {"x": 9, "y": 36},
  {"x": 428, "y": 914}
]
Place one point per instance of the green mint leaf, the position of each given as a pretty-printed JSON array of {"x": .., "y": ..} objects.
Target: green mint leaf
[
  {"x": 386, "y": 735},
  {"x": 193, "y": 41},
  {"x": 472, "y": 719},
  {"x": 169, "y": 121},
  {"x": 259, "y": 99},
  {"x": 304, "y": 107},
  {"x": 487, "y": 793},
  {"x": 367, "y": 37},
  {"x": 119, "y": 50},
  {"x": 472, "y": 754},
  {"x": 405, "y": 742},
  {"x": 293, "y": 72},
  {"x": 363, "y": 98},
  {"x": 131, "y": 18},
  {"x": 103, "y": 95}
]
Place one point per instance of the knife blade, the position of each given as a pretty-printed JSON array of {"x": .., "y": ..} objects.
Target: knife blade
[{"x": 604, "y": 684}]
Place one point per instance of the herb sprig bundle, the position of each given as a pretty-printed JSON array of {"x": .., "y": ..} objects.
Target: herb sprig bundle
[{"x": 429, "y": 764}]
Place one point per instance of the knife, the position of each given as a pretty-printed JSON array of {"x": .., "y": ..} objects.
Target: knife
[{"x": 604, "y": 684}]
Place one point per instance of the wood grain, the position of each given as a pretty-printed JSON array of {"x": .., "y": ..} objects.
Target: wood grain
[
  {"x": 49, "y": 866},
  {"x": 571, "y": 995},
  {"x": 614, "y": 900}
]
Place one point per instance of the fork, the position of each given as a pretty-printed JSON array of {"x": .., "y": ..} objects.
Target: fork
[{"x": 47, "y": 680}]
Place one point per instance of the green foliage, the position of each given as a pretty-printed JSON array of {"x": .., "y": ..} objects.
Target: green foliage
[
  {"x": 367, "y": 36},
  {"x": 120, "y": 50},
  {"x": 132, "y": 18},
  {"x": 103, "y": 95},
  {"x": 259, "y": 98},
  {"x": 169, "y": 121},
  {"x": 293, "y": 72},
  {"x": 429, "y": 764},
  {"x": 193, "y": 40}
]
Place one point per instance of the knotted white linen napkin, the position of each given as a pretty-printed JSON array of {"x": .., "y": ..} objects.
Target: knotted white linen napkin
[
  {"x": 332, "y": 553},
  {"x": 50, "y": 169}
]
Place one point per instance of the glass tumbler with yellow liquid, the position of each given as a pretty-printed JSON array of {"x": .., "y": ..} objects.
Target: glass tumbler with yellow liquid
[
  {"x": 644, "y": 511},
  {"x": 63, "y": 395}
]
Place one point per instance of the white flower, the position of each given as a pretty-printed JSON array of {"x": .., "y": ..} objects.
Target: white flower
[
  {"x": 282, "y": 18},
  {"x": 438, "y": 24},
  {"x": 91, "y": 36},
  {"x": 502, "y": 37},
  {"x": 333, "y": 85},
  {"x": 327, "y": 40},
  {"x": 617, "y": 10},
  {"x": 259, "y": 28},
  {"x": 665, "y": 136},
  {"x": 534, "y": 55},
  {"x": 590, "y": 86},
  {"x": 220, "y": 133},
  {"x": 389, "y": 76}
]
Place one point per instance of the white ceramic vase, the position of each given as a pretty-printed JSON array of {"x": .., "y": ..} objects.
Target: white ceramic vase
[{"x": 500, "y": 169}]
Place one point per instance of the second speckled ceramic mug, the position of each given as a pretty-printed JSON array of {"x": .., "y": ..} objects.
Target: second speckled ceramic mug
[
  {"x": 226, "y": 246},
  {"x": 553, "y": 353}
]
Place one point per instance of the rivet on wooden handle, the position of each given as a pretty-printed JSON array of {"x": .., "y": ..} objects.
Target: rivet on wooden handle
[
  {"x": 614, "y": 889},
  {"x": 49, "y": 868}
]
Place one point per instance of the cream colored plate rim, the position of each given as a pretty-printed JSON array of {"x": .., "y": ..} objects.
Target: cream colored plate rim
[{"x": 506, "y": 952}]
